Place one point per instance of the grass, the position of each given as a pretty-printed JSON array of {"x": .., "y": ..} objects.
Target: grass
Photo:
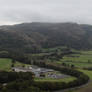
[
  {"x": 83, "y": 59},
  {"x": 53, "y": 49},
  {"x": 68, "y": 79},
  {"x": 5, "y": 64},
  {"x": 87, "y": 72}
]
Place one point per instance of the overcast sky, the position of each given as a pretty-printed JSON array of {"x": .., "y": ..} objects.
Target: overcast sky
[{"x": 18, "y": 11}]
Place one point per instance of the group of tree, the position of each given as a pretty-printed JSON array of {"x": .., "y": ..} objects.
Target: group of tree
[
  {"x": 6, "y": 77},
  {"x": 17, "y": 82},
  {"x": 68, "y": 65}
]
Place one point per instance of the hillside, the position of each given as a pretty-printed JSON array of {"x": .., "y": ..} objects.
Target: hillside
[{"x": 31, "y": 37}]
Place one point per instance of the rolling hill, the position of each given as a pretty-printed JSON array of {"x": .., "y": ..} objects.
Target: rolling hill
[{"x": 31, "y": 37}]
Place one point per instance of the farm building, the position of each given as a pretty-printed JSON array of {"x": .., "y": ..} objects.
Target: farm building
[
  {"x": 36, "y": 70},
  {"x": 21, "y": 69}
]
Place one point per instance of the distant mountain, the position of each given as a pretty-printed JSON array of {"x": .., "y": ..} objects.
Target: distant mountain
[{"x": 30, "y": 37}]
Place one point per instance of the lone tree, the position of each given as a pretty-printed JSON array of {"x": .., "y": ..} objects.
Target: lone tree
[
  {"x": 72, "y": 66},
  {"x": 13, "y": 61},
  {"x": 12, "y": 65}
]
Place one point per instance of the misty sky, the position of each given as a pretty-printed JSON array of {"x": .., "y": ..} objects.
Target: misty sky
[{"x": 18, "y": 11}]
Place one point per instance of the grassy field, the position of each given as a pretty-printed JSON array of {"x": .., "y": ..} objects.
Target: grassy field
[
  {"x": 89, "y": 73},
  {"x": 5, "y": 64},
  {"x": 68, "y": 79},
  {"x": 83, "y": 59}
]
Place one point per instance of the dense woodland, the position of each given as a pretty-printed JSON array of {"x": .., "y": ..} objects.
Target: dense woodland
[{"x": 32, "y": 37}]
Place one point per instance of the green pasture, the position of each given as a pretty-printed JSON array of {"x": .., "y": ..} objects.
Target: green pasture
[
  {"x": 83, "y": 59},
  {"x": 87, "y": 72},
  {"x": 5, "y": 64},
  {"x": 68, "y": 79}
]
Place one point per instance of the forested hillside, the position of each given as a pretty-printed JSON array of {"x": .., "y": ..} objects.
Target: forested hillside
[{"x": 31, "y": 37}]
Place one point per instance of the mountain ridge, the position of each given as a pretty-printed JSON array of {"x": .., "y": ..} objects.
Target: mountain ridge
[{"x": 34, "y": 36}]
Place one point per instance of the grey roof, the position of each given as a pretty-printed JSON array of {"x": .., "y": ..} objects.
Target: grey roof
[{"x": 21, "y": 68}]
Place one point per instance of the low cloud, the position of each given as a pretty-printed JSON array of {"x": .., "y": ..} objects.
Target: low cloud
[{"x": 18, "y": 11}]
